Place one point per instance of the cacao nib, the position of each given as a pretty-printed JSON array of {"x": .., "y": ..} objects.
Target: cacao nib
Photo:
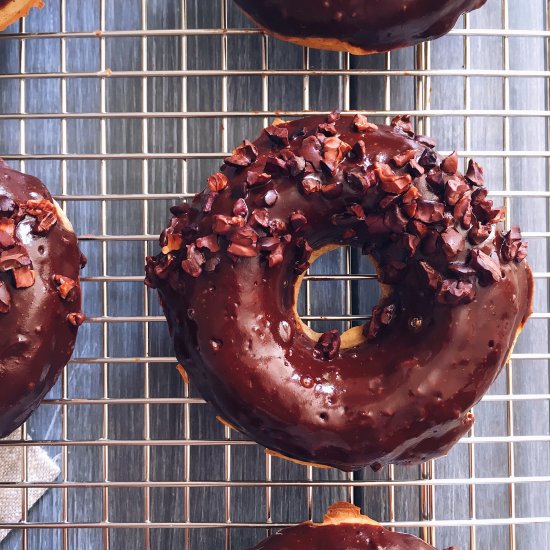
[
  {"x": 431, "y": 276},
  {"x": 254, "y": 179},
  {"x": 403, "y": 123},
  {"x": 455, "y": 293},
  {"x": 194, "y": 261},
  {"x": 449, "y": 164},
  {"x": 511, "y": 245},
  {"x": 479, "y": 233},
  {"x": 435, "y": 180},
  {"x": 463, "y": 211},
  {"x": 277, "y": 227},
  {"x": 429, "y": 211},
  {"x": 334, "y": 151},
  {"x": 65, "y": 287},
  {"x": 362, "y": 124},
  {"x": 461, "y": 270},
  {"x": 210, "y": 242},
  {"x": 269, "y": 244},
  {"x": 410, "y": 243},
  {"x": 243, "y": 236},
  {"x": 207, "y": 201},
  {"x": 390, "y": 182},
  {"x": 382, "y": 315},
  {"x": 359, "y": 150},
  {"x": 430, "y": 242},
  {"x": 411, "y": 195},
  {"x": 395, "y": 220},
  {"x": 270, "y": 198},
  {"x": 224, "y": 224},
  {"x": 522, "y": 252},
  {"x": 454, "y": 189},
  {"x": 453, "y": 242},
  {"x": 327, "y": 129},
  {"x": 276, "y": 256},
  {"x": 328, "y": 345},
  {"x": 474, "y": 174},
  {"x": 242, "y": 251},
  {"x": 375, "y": 224},
  {"x": 24, "y": 277},
  {"x": 211, "y": 264},
  {"x": 76, "y": 319},
  {"x": 333, "y": 116},
  {"x": 5, "y": 299},
  {"x": 360, "y": 178},
  {"x": 403, "y": 158},
  {"x": 297, "y": 221},
  {"x": 414, "y": 169},
  {"x": 486, "y": 267},
  {"x": 240, "y": 208},
  {"x": 417, "y": 228},
  {"x": 259, "y": 216},
  {"x": 311, "y": 184},
  {"x": 243, "y": 156},
  {"x": 311, "y": 151},
  {"x": 428, "y": 159},
  {"x": 45, "y": 213},
  {"x": 14, "y": 258},
  {"x": 278, "y": 135},
  {"x": 425, "y": 140},
  {"x": 295, "y": 165},
  {"x": 217, "y": 182}
]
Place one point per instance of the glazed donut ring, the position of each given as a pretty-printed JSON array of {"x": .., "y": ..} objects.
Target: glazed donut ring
[
  {"x": 12, "y": 10},
  {"x": 456, "y": 292},
  {"x": 343, "y": 528},
  {"x": 357, "y": 26},
  {"x": 39, "y": 295}
]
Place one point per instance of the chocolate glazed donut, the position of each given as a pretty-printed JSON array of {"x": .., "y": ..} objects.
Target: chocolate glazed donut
[
  {"x": 39, "y": 295},
  {"x": 456, "y": 292},
  {"x": 357, "y": 26},
  {"x": 343, "y": 528}
]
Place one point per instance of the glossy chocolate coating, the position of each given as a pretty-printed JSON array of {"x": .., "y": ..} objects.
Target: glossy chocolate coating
[
  {"x": 346, "y": 536},
  {"x": 371, "y": 25},
  {"x": 36, "y": 337},
  {"x": 403, "y": 395}
]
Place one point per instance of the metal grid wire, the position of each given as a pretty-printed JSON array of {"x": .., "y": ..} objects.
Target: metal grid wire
[{"x": 86, "y": 91}]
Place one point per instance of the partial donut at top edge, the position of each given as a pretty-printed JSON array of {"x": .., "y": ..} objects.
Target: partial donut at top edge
[
  {"x": 357, "y": 26},
  {"x": 40, "y": 296},
  {"x": 456, "y": 291}
]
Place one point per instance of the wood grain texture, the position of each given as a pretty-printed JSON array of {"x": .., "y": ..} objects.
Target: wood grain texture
[{"x": 127, "y": 217}]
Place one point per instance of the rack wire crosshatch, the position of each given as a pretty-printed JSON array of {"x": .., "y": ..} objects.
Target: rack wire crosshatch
[{"x": 123, "y": 108}]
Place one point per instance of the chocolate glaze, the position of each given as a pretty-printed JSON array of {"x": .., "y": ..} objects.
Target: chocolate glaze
[
  {"x": 437, "y": 340},
  {"x": 373, "y": 26},
  {"x": 346, "y": 536},
  {"x": 36, "y": 336}
]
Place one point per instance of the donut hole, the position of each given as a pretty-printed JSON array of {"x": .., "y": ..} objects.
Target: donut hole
[{"x": 338, "y": 292}]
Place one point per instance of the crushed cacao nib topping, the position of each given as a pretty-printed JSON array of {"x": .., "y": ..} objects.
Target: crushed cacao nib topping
[
  {"x": 328, "y": 345},
  {"x": 513, "y": 248},
  {"x": 7, "y": 232},
  {"x": 435, "y": 180},
  {"x": 224, "y": 224},
  {"x": 404, "y": 158},
  {"x": 45, "y": 213},
  {"x": 360, "y": 178},
  {"x": 333, "y": 116},
  {"x": 474, "y": 174},
  {"x": 259, "y": 216},
  {"x": 463, "y": 211},
  {"x": 303, "y": 254},
  {"x": 486, "y": 266},
  {"x": 240, "y": 208},
  {"x": 254, "y": 179},
  {"x": 278, "y": 135},
  {"x": 359, "y": 150},
  {"x": 207, "y": 201},
  {"x": 425, "y": 140},
  {"x": 332, "y": 190},
  {"x": 450, "y": 164},
  {"x": 414, "y": 169},
  {"x": 217, "y": 182},
  {"x": 479, "y": 233},
  {"x": 455, "y": 293},
  {"x": 194, "y": 261},
  {"x": 311, "y": 184},
  {"x": 461, "y": 270},
  {"x": 66, "y": 287},
  {"x": 389, "y": 181},
  {"x": 429, "y": 211},
  {"x": 327, "y": 129},
  {"x": 453, "y": 242},
  {"x": 243, "y": 156},
  {"x": 242, "y": 251},
  {"x": 14, "y": 258},
  {"x": 403, "y": 123},
  {"x": 311, "y": 151},
  {"x": 243, "y": 236},
  {"x": 5, "y": 299},
  {"x": 210, "y": 242},
  {"x": 76, "y": 319},
  {"x": 454, "y": 189},
  {"x": 362, "y": 124},
  {"x": 432, "y": 277},
  {"x": 297, "y": 221},
  {"x": 334, "y": 150},
  {"x": 382, "y": 316},
  {"x": 270, "y": 198},
  {"x": 428, "y": 159}
]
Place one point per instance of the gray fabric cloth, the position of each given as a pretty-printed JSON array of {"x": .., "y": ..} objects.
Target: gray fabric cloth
[{"x": 41, "y": 468}]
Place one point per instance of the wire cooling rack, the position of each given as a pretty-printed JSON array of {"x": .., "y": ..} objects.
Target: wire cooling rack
[{"x": 124, "y": 107}]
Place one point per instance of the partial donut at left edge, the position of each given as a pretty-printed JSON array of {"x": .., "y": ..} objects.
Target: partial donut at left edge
[
  {"x": 12, "y": 10},
  {"x": 40, "y": 297}
]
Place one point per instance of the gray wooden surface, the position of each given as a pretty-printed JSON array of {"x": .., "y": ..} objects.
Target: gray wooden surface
[{"x": 170, "y": 136}]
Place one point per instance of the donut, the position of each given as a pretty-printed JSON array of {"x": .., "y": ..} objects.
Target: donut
[
  {"x": 357, "y": 26},
  {"x": 343, "y": 528},
  {"x": 12, "y": 10},
  {"x": 39, "y": 295},
  {"x": 455, "y": 290}
]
